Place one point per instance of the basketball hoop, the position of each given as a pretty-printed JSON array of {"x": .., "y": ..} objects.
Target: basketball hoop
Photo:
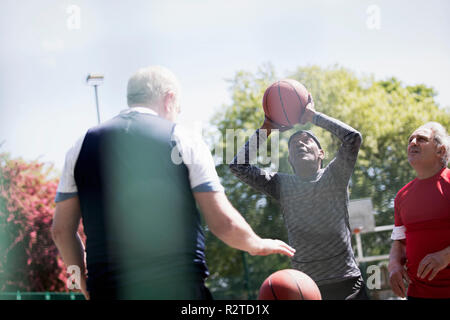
[{"x": 361, "y": 216}]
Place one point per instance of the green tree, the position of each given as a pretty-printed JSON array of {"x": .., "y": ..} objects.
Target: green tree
[{"x": 385, "y": 112}]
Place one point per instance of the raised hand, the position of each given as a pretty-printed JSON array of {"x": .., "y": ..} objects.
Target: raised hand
[
  {"x": 309, "y": 112},
  {"x": 271, "y": 125}
]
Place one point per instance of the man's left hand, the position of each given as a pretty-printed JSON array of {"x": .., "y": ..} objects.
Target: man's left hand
[
  {"x": 309, "y": 111},
  {"x": 433, "y": 262}
]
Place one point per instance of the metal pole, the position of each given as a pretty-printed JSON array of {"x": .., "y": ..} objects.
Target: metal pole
[
  {"x": 359, "y": 248},
  {"x": 96, "y": 101},
  {"x": 246, "y": 276}
]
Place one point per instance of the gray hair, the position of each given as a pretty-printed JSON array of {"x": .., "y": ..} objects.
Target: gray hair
[
  {"x": 441, "y": 137},
  {"x": 148, "y": 86}
]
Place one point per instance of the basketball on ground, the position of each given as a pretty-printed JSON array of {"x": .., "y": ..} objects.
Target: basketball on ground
[
  {"x": 289, "y": 284},
  {"x": 284, "y": 102}
]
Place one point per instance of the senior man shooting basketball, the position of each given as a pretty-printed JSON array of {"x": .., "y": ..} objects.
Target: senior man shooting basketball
[
  {"x": 313, "y": 201},
  {"x": 144, "y": 236}
]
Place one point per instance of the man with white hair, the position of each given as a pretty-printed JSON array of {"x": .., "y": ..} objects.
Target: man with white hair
[
  {"x": 143, "y": 228},
  {"x": 422, "y": 220}
]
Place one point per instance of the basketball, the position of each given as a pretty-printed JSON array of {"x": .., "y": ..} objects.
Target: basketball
[
  {"x": 289, "y": 284},
  {"x": 284, "y": 102}
]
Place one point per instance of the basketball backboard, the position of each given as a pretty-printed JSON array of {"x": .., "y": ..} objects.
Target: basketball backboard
[{"x": 361, "y": 215}]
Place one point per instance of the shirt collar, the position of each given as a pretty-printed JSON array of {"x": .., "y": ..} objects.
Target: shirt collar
[{"x": 140, "y": 110}]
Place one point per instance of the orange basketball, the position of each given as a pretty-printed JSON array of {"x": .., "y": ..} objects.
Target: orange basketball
[
  {"x": 284, "y": 102},
  {"x": 289, "y": 284}
]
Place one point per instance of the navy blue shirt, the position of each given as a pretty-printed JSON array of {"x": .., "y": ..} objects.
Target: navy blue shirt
[{"x": 138, "y": 211}]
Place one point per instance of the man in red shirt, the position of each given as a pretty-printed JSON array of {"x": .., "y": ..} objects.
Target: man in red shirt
[{"x": 422, "y": 220}]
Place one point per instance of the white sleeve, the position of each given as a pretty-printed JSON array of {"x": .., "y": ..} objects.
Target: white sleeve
[
  {"x": 196, "y": 156},
  {"x": 67, "y": 187},
  {"x": 398, "y": 233}
]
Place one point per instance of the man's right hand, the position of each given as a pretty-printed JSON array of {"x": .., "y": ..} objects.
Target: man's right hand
[
  {"x": 84, "y": 287},
  {"x": 226, "y": 223},
  {"x": 397, "y": 278}
]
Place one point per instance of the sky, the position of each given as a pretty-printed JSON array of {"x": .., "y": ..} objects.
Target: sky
[{"x": 48, "y": 47}]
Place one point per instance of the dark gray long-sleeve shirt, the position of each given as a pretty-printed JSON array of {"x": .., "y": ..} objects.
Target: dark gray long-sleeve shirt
[{"x": 315, "y": 211}]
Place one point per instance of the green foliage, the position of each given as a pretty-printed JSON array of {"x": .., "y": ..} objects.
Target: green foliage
[{"x": 385, "y": 112}]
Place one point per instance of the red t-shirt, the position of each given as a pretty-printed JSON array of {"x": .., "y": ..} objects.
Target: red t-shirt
[{"x": 423, "y": 207}]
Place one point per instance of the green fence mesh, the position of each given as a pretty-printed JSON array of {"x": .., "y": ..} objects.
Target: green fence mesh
[{"x": 41, "y": 296}]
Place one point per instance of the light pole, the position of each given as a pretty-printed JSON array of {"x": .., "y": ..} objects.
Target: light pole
[{"x": 95, "y": 80}]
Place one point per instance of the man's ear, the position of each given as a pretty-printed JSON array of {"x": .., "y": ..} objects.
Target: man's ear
[
  {"x": 321, "y": 154},
  {"x": 169, "y": 101},
  {"x": 441, "y": 151}
]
